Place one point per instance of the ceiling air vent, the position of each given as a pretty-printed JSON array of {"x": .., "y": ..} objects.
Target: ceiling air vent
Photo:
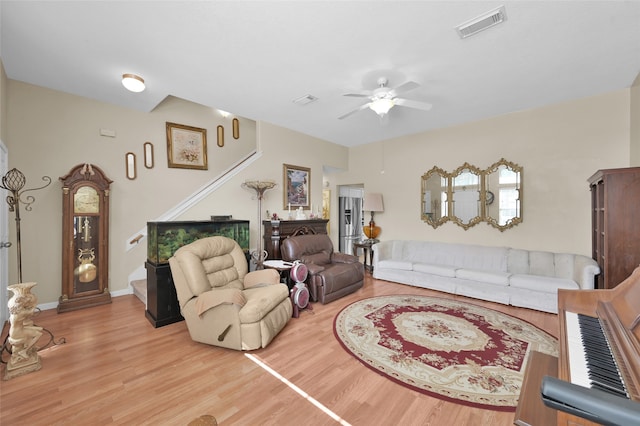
[
  {"x": 305, "y": 100},
  {"x": 482, "y": 22}
]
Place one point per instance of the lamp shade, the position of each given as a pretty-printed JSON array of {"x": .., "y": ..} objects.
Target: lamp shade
[{"x": 373, "y": 202}]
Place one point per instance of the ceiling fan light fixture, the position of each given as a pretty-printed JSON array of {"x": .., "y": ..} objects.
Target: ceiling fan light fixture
[
  {"x": 133, "y": 83},
  {"x": 381, "y": 106}
]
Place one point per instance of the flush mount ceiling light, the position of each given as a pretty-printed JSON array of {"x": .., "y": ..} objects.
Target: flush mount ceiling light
[{"x": 133, "y": 82}]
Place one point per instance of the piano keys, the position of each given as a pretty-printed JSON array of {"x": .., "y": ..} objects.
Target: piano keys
[
  {"x": 591, "y": 363},
  {"x": 607, "y": 358}
]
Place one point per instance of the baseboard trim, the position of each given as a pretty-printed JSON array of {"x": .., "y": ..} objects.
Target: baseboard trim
[{"x": 54, "y": 305}]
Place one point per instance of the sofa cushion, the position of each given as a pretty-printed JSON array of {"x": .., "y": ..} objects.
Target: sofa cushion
[
  {"x": 563, "y": 263},
  {"x": 541, "y": 283},
  {"x": 491, "y": 277},
  {"x": 518, "y": 261},
  {"x": 440, "y": 270},
  {"x": 541, "y": 263},
  {"x": 395, "y": 264},
  {"x": 456, "y": 255}
]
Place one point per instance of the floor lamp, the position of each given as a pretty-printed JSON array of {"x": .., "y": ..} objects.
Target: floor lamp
[{"x": 259, "y": 186}]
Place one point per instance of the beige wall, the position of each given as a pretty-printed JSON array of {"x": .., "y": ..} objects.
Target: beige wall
[
  {"x": 3, "y": 101},
  {"x": 279, "y": 146},
  {"x": 558, "y": 146},
  {"x": 51, "y": 132},
  {"x": 635, "y": 123}
]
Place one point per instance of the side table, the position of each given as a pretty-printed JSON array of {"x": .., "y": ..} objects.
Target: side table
[
  {"x": 366, "y": 245},
  {"x": 282, "y": 267}
]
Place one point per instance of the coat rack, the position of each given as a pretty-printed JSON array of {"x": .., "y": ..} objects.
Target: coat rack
[
  {"x": 13, "y": 182},
  {"x": 23, "y": 333}
]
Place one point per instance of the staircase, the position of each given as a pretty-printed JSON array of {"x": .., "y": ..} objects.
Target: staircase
[
  {"x": 140, "y": 290},
  {"x": 138, "y": 284}
]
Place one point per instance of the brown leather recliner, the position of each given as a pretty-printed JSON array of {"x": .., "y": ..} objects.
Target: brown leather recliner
[{"x": 331, "y": 274}]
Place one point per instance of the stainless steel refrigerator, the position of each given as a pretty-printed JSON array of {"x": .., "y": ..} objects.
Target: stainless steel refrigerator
[{"x": 350, "y": 218}]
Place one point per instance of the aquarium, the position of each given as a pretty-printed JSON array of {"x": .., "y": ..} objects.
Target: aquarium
[{"x": 164, "y": 238}]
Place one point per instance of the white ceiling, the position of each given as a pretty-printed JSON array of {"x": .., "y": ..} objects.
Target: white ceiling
[{"x": 254, "y": 58}]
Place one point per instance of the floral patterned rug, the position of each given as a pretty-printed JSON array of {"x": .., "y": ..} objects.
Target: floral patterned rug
[{"x": 448, "y": 349}]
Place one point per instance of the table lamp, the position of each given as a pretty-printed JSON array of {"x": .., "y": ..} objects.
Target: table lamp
[{"x": 372, "y": 203}]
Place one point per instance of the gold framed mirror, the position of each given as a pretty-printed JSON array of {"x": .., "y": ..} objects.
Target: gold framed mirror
[
  {"x": 503, "y": 194},
  {"x": 435, "y": 193},
  {"x": 469, "y": 195},
  {"x": 465, "y": 201}
]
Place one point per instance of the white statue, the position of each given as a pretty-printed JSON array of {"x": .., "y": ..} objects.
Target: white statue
[
  {"x": 23, "y": 334},
  {"x": 300, "y": 214}
]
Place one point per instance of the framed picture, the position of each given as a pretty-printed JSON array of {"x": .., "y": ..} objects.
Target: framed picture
[
  {"x": 296, "y": 181},
  {"x": 186, "y": 147}
]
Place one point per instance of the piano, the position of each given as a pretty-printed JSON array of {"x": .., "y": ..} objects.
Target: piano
[{"x": 599, "y": 347}]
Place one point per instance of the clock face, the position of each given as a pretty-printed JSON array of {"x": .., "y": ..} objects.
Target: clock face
[{"x": 86, "y": 200}]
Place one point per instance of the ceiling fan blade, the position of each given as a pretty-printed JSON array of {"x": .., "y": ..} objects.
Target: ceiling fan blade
[
  {"x": 357, "y": 95},
  {"x": 404, "y": 87},
  {"x": 424, "y": 106},
  {"x": 360, "y": 108}
]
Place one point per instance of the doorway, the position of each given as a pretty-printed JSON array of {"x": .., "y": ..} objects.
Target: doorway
[
  {"x": 4, "y": 238},
  {"x": 350, "y": 218}
]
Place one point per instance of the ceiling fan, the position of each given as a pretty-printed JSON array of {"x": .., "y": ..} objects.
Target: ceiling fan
[{"x": 382, "y": 99}]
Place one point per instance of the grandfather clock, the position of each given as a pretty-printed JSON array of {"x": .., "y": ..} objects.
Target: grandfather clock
[{"x": 85, "y": 238}]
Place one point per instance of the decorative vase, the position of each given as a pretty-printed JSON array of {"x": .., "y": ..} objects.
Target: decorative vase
[{"x": 371, "y": 232}]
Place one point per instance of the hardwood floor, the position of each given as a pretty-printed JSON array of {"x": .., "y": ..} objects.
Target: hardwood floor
[{"x": 115, "y": 368}]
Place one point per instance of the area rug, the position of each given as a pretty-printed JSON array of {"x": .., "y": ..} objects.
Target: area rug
[{"x": 448, "y": 349}]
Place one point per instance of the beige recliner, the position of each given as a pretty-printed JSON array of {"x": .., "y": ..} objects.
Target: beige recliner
[{"x": 222, "y": 303}]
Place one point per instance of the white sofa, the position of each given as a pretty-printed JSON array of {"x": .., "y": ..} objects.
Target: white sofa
[{"x": 523, "y": 278}]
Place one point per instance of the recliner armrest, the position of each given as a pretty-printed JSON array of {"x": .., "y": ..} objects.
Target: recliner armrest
[
  {"x": 338, "y": 257},
  {"x": 314, "y": 269},
  {"x": 212, "y": 298},
  {"x": 263, "y": 276}
]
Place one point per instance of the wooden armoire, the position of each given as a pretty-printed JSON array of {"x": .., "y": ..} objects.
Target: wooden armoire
[{"x": 615, "y": 213}]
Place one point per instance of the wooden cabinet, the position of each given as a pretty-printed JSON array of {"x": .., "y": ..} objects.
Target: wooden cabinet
[
  {"x": 615, "y": 203},
  {"x": 162, "y": 301},
  {"x": 276, "y": 231}
]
